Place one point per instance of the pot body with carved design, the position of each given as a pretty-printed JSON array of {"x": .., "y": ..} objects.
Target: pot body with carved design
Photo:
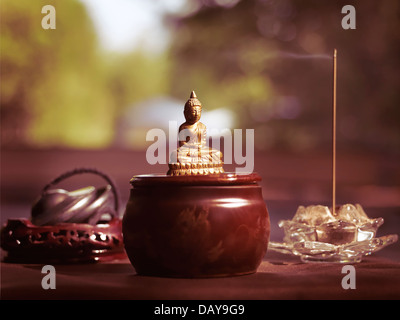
[{"x": 196, "y": 226}]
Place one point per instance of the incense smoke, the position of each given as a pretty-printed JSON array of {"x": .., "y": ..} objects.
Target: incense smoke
[{"x": 291, "y": 55}]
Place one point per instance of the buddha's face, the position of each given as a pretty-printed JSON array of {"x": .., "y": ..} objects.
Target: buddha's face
[{"x": 193, "y": 114}]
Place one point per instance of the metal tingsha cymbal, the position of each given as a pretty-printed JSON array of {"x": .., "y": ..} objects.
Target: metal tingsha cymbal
[
  {"x": 86, "y": 205},
  {"x": 82, "y": 225}
]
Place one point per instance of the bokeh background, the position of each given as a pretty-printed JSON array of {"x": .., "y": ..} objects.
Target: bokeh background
[{"x": 86, "y": 93}]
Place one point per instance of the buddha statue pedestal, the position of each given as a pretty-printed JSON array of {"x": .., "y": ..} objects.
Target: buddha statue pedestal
[
  {"x": 196, "y": 221},
  {"x": 193, "y": 157}
]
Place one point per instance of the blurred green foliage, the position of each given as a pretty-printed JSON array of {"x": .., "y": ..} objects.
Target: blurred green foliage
[
  {"x": 50, "y": 77},
  {"x": 272, "y": 61},
  {"x": 57, "y": 87},
  {"x": 137, "y": 76},
  {"x": 267, "y": 60}
]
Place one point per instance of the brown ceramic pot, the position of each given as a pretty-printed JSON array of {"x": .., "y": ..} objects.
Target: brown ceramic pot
[{"x": 196, "y": 226}]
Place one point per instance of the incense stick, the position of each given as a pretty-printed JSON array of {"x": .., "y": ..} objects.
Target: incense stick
[{"x": 334, "y": 134}]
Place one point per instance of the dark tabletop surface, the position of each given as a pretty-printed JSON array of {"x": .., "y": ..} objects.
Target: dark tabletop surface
[
  {"x": 276, "y": 278},
  {"x": 287, "y": 182},
  {"x": 279, "y": 276}
]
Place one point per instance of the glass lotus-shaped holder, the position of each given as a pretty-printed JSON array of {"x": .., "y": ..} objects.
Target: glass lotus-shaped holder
[{"x": 316, "y": 235}]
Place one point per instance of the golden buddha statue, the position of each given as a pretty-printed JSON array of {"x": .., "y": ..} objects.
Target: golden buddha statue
[{"x": 193, "y": 156}]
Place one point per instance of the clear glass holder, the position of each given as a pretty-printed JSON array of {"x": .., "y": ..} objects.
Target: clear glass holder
[{"x": 316, "y": 235}]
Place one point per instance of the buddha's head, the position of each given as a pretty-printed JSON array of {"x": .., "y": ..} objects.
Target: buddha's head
[{"x": 192, "y": 109}]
